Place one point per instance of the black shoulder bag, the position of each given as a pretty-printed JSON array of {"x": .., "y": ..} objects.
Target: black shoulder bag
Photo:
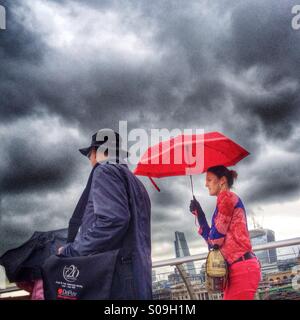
[{"x": 85, "y": 277}]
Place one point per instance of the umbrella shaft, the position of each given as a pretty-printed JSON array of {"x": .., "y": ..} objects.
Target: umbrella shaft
[{"x": 191, "y": 178}]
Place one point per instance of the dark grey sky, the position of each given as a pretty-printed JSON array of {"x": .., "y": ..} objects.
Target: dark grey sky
[{"x": 69, "y": 68}]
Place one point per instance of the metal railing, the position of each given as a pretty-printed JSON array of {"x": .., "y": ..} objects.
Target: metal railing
[
  {"x": 179, "y": 264},
  {"x": 202, "y": 256},
  {"x": 188, "y": 279}
]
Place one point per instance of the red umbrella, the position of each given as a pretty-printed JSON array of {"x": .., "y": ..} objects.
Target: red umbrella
[{"x": 188, "y": 155}]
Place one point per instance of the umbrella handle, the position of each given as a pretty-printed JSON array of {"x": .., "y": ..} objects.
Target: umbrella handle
[{"x": 155, "y": 185}]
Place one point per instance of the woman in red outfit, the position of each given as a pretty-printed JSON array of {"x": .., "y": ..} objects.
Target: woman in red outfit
[{"x": 229, "y": 232}]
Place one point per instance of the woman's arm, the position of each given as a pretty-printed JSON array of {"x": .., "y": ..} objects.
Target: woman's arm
[
  {"x": 223, "y": 217},
  {"x": 198, "y": 212}
]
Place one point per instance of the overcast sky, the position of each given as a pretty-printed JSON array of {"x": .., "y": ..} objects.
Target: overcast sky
[{"x": 69, "y": 68}]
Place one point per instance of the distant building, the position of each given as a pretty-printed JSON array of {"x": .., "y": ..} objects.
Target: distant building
[
  {"x": 182, "y": 250},
  {"x": 263, "y": 236},
  {"x": 180, "y": 292},
  {"x": 161, "y": 290},
  {"x": 280, "y": 278},
  {"x": 162, "y": 294},
  {"x": 175, "y": 277},
  {"x": 203, "y": 273},
  {"x": 288, "y": 264},
  {"x": 269, "y": 268}
]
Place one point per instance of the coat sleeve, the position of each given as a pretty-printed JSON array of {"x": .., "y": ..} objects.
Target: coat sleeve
[
  {"x": 204, "y": 228},
  {"x": 220, "y": 225},
  {"x": 112, "y": 215}
]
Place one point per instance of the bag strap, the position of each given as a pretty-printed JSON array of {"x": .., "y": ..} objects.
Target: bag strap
[
  {"x": 76, "y": 219},
  {"x": 127, "y": 239}
]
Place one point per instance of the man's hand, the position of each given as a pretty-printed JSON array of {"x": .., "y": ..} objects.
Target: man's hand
[{"x": 59, "y": 251}]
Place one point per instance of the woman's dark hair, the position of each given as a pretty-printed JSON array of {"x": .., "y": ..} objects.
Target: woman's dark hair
[{"x": 221, "y": 171}]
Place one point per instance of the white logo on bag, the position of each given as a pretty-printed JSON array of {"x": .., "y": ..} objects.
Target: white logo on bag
[{"x": 70, "y": 273}]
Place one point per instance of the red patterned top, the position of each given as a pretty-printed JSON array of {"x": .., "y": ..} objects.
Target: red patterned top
[{"x": 229, "y": 227}]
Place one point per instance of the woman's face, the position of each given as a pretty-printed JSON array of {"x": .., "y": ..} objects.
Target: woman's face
[{"x": 214, "y": 184}]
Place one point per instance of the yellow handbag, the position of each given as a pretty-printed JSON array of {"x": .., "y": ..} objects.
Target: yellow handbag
[{"x": 216, "y": 271}]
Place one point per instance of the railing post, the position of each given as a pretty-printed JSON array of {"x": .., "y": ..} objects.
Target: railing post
[{"x": 186, "y": 281}]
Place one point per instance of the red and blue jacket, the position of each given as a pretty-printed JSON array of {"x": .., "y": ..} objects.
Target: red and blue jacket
[{"x": 229, "y": 228}]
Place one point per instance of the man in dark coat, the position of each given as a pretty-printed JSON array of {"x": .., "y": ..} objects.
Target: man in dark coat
[{"x": 117, "y": 216}]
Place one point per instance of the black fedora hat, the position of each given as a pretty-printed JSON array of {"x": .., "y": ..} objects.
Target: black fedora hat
[{"x": 110, "y": 140}]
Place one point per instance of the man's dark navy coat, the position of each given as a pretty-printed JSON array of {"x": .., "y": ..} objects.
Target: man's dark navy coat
[{"x": 118, "y": 215}]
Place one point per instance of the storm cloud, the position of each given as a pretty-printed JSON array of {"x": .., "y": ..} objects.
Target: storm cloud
[{"x": 69, "y": 68}]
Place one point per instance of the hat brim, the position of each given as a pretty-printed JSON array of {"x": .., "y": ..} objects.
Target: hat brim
[{"x": 86, "y": 151}]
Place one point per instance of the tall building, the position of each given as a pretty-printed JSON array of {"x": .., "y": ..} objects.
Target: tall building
[
  {"x": 182, "y": 250},
  {"x": 263, "y": 236}
]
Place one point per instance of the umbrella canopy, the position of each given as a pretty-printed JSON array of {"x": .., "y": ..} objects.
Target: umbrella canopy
[
  {"x": 24, "y": 263},
  {"x": 189, "y": 154}
]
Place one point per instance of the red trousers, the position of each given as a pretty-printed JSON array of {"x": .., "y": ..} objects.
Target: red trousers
[{"x": 243, "y": 281}]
